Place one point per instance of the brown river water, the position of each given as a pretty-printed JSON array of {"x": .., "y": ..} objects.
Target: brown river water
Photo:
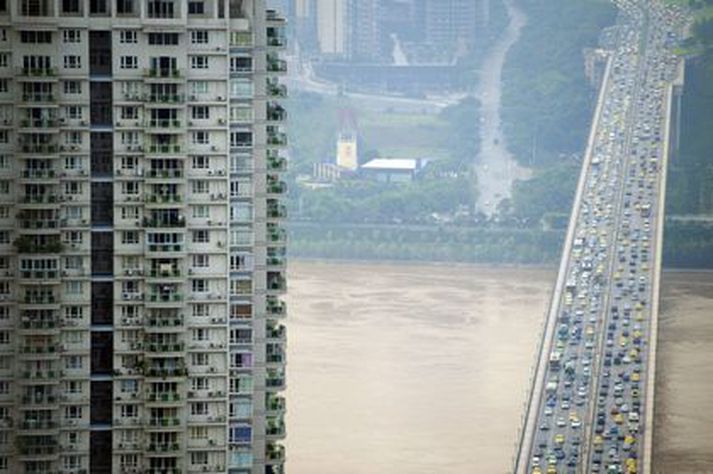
[{"x": 415, "y": 369}]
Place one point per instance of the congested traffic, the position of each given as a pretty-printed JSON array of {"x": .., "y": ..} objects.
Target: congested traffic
[{"x": 588, "y": 412}]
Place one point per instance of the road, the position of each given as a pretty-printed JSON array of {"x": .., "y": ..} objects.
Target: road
[
  {"x": 592, "y": 394},
  {"x": 496, "y": 168}
]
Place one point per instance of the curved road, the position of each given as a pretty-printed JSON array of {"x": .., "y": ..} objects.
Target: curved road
[{"x": 496, "y": 168}]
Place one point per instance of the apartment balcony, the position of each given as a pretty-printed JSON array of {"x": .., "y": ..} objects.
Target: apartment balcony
[
  {"x": 40, "y": 275},
  {"x": 170, "y": 149},
  {"x": 275, "y": 404},
  {"x": 164, "y": 422},
  {"x": 275, "y": 187},
  {"x": 163, "y": 275},
  {"x": 275, "y": 382},
  {"x": 276, "y": 234},
  {"x": 275, "y": 430},
  {"x": 174, "y": 173},
  {"x": 52, "y": 349},
  {"x": 164, "y": 223},
  {"x": 206, "y": 419},
  {"x": 40, "y": 174},
  {"x": 39, "y": 400},
  {"x": 161, "y": 349},
  {"x": 165, "y": 322},
  {"x": 162, "y": 199},
  {"x": 27, "y": 73},
  {"x": 39, "y": 126},
  {"x": 276, "y": 333},
  {"x": 164, "y": 126},
  {"x": 38, "y": 451},
  {"x": 39, "y": 149},
  {"x": 275, "y": 113},
  {"x": 276, "y": 38},
  {"x": 39, "y": 224},
  {"x": 276, "y": 65},
  {"x": 39, "y": 98},
  {"x": 276, "y": 211},
  {"x": 38, "y": 425},
  {"x": 41, "y": 376},
  {"x": 275, "y": 90},
  {"x": 39, "y": 324},
  {"x": 163, "y": 372},
  {"x": 163, "y": 397},
  {"x": 274, "y": 453},
  {"x": 205, "y": 394},
  {"x": 163, "y": 75},
  {"x": 165, "y": 99},
  {"x": 170, "y": 249},
  {"x": 276, "y": 139},
  {"x": 163, "y": 448},
  {"x": 275, "y": 309},
  {"x": 274, "y": 18},
  {"x": 275, "y": 162}
]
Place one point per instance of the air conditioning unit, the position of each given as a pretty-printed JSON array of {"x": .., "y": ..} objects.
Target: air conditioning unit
[{"x": 210, "y": 172}]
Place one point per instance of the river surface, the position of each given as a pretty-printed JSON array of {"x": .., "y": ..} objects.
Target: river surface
[
  {"x": 496, "y": 169},
  {"x": 416, "y": 369}
]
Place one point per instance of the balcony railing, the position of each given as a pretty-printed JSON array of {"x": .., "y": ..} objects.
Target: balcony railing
[
  {"x": 164, "y": 149},
  {"x": 37, "y": 72},
  {"x": 165, "y": 98},
  {"x": 276, "y": 65},
  {"x": 169, "y": 173},
  {"x": 164, "y": 397},
  {"x": 162, "y": 72},
  {"x": 39, "y": 123},
  {"x": 165, "y": 297},
  {"x": 38, "y": 97},
  {"x": 165, "y": 223},
  {"x": 165, "y": 322},
  {"x": 277, "y": 211},
  {"x": 164, "y": 123},
  {"x": 165, "y": 247},
  {"x": 162, "y": 198},
  {"x": 173, "y": 347},
  {"x": 39, "y": 174},
  {"x": 277, "y": 139}
]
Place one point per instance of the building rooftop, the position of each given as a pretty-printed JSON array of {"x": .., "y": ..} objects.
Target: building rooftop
[{"x": 401, "y": 164}]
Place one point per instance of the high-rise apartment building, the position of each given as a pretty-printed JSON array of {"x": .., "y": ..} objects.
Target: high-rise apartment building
[{"x": 142, "y": 249}]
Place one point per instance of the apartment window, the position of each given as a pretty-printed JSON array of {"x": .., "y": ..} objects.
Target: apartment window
[
  {"x": 241, "y": 114},
  {"x": 200, "y": 236},
  {"x": 71, "y": 7},
  {"x": 73, "y": 312},
  {"x": 4, "y": 85},
  {"x": 73, "y": 287},
  {"x": 168, "y": 39},
  {"x": 201, "y": 261},
  {"x": 38, "y": 37},
  {"x": 161, "y": 9},
  {"x": 129, "y": 411},
  {"x": 199, "y": 37},
  {"x": 129, "y": 213},
  {"x": 199, "y": 187},
  {"x": 73, "y": 187},
  {"x": 201, "y": 212},
  {"x": 201, "y": 162},
  {"x": 35, "y": 8},
  {"x": 4, "y": 59},
  {"x": 72, "y": 163},
  {"x": 128, "y": 37},
  {"x": 200, "y": 286},
  {"x": 129, "y": 237},
  {"x": 124, "y": 7},
  {"x": 199, "y": 87},
  {"x": 241, "y": 88},
  {"x": 72, "y": 462},
  {"x": 71, "y": 36},
  {"x": 128, "y": 62},
  {"x": 200, "y": 383},
  {"x": 199, "y": 408},
  {"x": 241, "y": 64},
  {"x": 199, "y": 432},
  {"x": 73, "y": 362},
  {"x": 200, "y": 310},
  {"x": 200, "y": 112},
  {"x": 98, "y": 7},
  {"x": 73, "y": 138},
  {"x": 199, "y": 458},
  {"x": 72, "y": 62},
  {"x": 130, "y": 113},
  {"x": 199, "y": 62},
  {"x": 199, "y": 359},
  {"x": 72, "y": 87},
  {"x": 240, "y": 434},
  {"x": 73, "y": 412},
  {"x": 73, "y": 112},
  {"x": 201, "y": 138},
  {"x": 196, "y": 8}
]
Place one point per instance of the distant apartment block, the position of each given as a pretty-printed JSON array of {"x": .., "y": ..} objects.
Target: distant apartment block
[{"x": 142, "y": 240}]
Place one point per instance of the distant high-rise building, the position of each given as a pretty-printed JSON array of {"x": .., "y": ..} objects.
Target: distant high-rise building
[
  {"x": 453, "y": 24},
  {"x": 364, "y": 20},
  {"x": 142, "y": 248},
  {"x": 332, "y": 26}
]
